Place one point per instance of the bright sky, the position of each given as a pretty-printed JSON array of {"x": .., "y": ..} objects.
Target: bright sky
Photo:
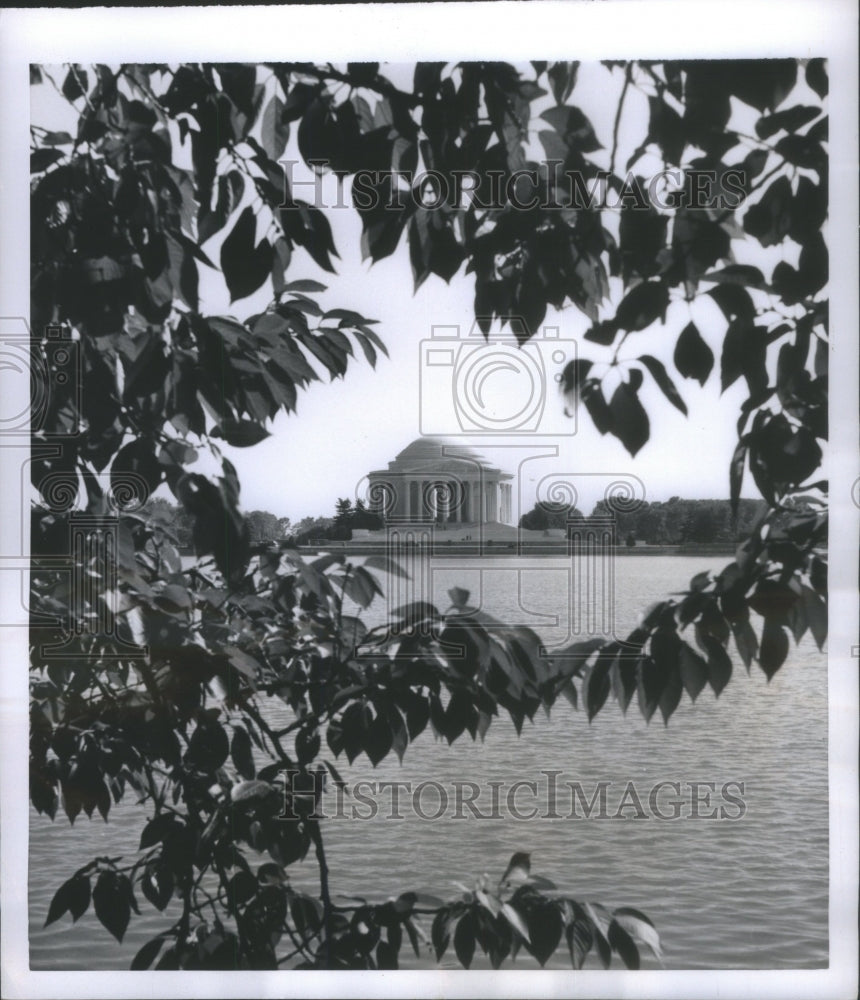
[{"x": 348, "y": 427}]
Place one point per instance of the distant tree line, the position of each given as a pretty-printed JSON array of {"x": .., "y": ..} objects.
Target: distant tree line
[
  {"x": 178, "y": 523},
  {"x": 666, "y": 522},
  {"x": 266, "y": 527},
  {"x": 349, "y": 516},
  {"x": 669, "y": 522}
]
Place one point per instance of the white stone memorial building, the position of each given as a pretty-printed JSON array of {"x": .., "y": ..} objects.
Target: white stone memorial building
[{"x": 434, "y": 481}]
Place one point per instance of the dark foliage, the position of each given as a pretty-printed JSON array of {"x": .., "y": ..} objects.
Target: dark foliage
[{"x": 153, "y": 679}]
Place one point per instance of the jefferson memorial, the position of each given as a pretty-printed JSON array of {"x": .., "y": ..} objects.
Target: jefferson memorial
[{"x": 436, "y": 481}]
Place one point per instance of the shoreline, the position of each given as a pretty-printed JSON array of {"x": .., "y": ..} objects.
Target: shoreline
[{"x": 506, "y": 550}]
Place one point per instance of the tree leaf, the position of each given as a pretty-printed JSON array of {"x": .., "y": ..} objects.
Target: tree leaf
[
  {"x": 244, "y": 791},
  {"x": 803, "y": 151},
  {"x": 770, "y": 218},
  {"x": 661, "y": 377},
  {"x": 72, "y": 896},
  {"x": 596, "y": 683},
  {"x": 386, "y": 952},
  {"x": 158, "y": 829},
  {"x": 76, "y": 83},
  {"x": 790, "y": 120},
  {"x": 745, "y": 640},
  {"x": 623, "y": 944},
  {"x": 137, "y": 467},
  {"x": 694, "y": 671},
  {"x": 545, "y": 928},
  {"x": 459, "y": 597},
  {"x": 629, "y": 420},
  {"x": 642, "y": 305},
  {"x": 602, "y": 333},
  {"x": 763, "y": 83},
  {"x": 640, "y": 929},
  {"x": 245, "y": 265},
  {"x": 773, "y": 648},
  {"x": 242, "y": 661},
  {"x": 310, "y": 228},
  {"x": 274, "y": 131},
  {"x": 440, "y": 934},
  {"x": 573, "y": 127},
  {"x": 240, "y": 433},
  {"x": 580, "y": 936},
  {"x": 562, "y": 79},
  {"x": 744, "y": 353},
  {"x": 642, "y": 237},
  {"x": 147, "y": 954},
  {"x": 378, "y": 739},
  {"x": 737, "y": 274},
  {"x": 387, "y": 565},
  {"x": 464, "y": 939},
  {"x": 667, "y": 129},
  {"x": 572, "y": 378},
  {"x": 517, "y": 870},
  {"x": 111, "y": 900},
  {"x": 516, "y": 921},
  {"x": 816, "y": 76},
  {"x": 600, "y": 923},
  {"x": 157, "y": 884},
  {"x": 736, "y": 475},
  {"x": 231, "y": 186},
  {"x": 622, "y": 675},
  {"x": 650, "y": 683},
  {"x": 208, "y": 747},
  {"x": 719, "y": 664},
  {"x": 596, "y": 405},
  {"x": 41, "y": 159},
  {"x": 240, "y": 752},
  {"x": 816, "y": 615},
  {"x": 307, "y": 285}
]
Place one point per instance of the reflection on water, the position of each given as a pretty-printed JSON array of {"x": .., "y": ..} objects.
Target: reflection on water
[{"x": 745, "y": 893}]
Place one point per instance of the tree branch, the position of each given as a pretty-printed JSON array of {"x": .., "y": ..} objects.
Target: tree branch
[{"x": 628, "y": 73}]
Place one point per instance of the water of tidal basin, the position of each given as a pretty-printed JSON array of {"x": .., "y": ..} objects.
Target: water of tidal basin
[{"x": 749, "y": 893}]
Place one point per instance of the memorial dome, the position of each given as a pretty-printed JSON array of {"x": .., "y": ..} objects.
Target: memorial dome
[{"x": 442, "y": 480}]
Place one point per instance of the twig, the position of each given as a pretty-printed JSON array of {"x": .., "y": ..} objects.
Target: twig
[
  {"x": 628, "y": 73},
  {"x": 316, "y": 837}
]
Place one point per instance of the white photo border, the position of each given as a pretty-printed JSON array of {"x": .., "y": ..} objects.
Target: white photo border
[{"x": 620, "y": 29}]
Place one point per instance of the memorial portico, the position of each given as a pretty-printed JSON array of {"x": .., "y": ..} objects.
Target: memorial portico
[{"x": 436, "y": 481}]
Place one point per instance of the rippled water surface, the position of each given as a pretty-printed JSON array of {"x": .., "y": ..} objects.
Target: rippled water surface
[{"x": 750, "y": 892}]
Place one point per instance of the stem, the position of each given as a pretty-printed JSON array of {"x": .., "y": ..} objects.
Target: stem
[
  {"x": 274, "y": 737},
  {"x": 380, "y": 85},
  {"x": 83, "y": 88},
  {"x": 316, "y": 837},
  {"x": 755, "y": 187},
  {"x": 618, "y": 347},
  {"x": 157, "y": 799},
  {"x": 300, "y": 949},
  {"x": 627, "y": 76}
]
